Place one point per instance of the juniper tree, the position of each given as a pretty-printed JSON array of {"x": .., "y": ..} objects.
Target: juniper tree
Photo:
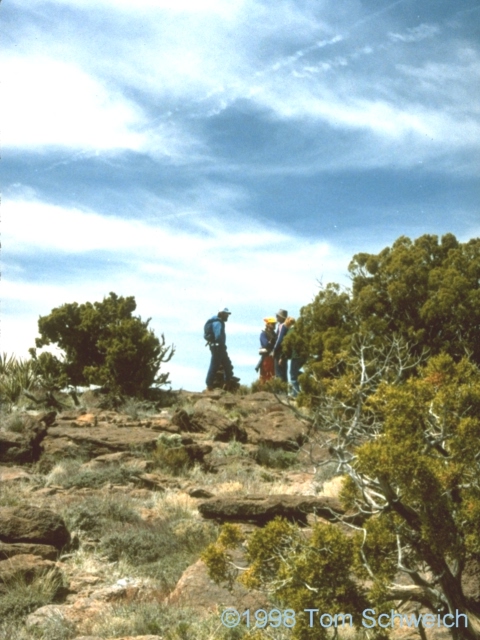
[{"x": 103, "y": 343}]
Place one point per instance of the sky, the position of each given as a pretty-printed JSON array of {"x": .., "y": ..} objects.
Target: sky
[{"x": 202, "y": 154}]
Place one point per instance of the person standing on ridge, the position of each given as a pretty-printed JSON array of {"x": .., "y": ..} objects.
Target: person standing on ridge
[
  {"x": 268, "y": 338},
  {"x": 291, "y": 352},
  {"x": 280, "y": 363},
  {"x": 214, "y": 333}
]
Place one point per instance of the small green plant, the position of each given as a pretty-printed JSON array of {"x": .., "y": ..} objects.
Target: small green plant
[
  {"x": 161, "y": 550},
  {"x": 171, "y": 454},
  {"x": 16, "y": 375},
  {"x": 234, "y": 448},
  {"x": 15, "y": 423},
  {"x": 274, "y": 385},
  {"x": 274, "y": 458}
]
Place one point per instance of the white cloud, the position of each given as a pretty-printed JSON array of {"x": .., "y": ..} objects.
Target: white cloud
[
  {"x": 180, "y": 274},
  {"x": 48, "y": 102},
  {"x": 416, "y": 34}
]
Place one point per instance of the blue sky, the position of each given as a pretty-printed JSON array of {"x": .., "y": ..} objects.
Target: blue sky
[{"x": 207, "y": 153}]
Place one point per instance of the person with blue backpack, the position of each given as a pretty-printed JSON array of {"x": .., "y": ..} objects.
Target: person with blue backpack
[{"x": 215, "y": 336}]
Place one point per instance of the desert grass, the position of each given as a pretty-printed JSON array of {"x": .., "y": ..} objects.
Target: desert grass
[
  {"x": 169, "y": 622},
  {"x": 18, "y": 493},
  {"x": 20, "y": 597},
  {"x": 73, "y": 473}
]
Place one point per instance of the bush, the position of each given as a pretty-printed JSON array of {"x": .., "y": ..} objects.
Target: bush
[
  {"x": 15, "y": 423},
  {"x": 16, "y": 376}
]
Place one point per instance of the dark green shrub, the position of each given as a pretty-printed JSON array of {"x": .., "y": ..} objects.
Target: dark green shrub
[
  {"x": 274, "y": 458},
  {"x": 104, "y": 344}
]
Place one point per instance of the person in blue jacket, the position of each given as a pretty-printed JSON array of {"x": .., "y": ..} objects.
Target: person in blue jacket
[{"x": 217, "y": 341}]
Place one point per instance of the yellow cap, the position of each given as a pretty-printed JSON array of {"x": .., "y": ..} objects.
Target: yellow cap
[{"x": 270, "y": 320}]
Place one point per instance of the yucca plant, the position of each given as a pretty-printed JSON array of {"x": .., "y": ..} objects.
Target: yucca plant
[{"x": 16, "y": 375}]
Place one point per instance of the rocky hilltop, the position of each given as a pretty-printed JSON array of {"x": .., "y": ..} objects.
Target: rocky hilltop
[{"x": 104, "y": 512}]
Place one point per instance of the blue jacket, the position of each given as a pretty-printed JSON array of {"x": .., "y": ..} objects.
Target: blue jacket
[
  {"x": 218, "y": 328},
  {"x": 281, "y": 333},
  {"x": 267, "y": 341}
]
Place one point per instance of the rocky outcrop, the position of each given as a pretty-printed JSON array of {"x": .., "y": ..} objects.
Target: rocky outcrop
[
  {"x": 275, "y": 426},
  {"x": 210, "y": 422},
  {"x": 24, "y": 445},
  {"x": 260, "y": 509},
  {"x": 33, "y": 525},
  {"x": 261, "y": 419}
]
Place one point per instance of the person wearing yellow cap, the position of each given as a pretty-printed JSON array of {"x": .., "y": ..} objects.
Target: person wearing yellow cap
[{"x": 267, "y": 341}]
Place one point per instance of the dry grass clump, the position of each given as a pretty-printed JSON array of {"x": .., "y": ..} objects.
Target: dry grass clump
[
  {"x": 20, "y": 597},
  {"x": 72, "y": 473},
  {"x": 15, "y": 494},
  {"x": 169, "y": 622},
  {"x": 95, "y": 514},
  {"x": 113, "y": 531}
]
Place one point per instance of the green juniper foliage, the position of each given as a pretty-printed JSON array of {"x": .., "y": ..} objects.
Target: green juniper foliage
[{"x": 104, "y": 344}]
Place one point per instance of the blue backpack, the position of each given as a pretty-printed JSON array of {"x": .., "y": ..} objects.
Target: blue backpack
[{"x": 208, "y": 334}]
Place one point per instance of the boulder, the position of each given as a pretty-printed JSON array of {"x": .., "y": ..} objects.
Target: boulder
[
  {"x": 45, "y": 551},
  {"x": 471, "y": 579},
  {"x": 275, "y": 426},
  {"x": 26, "y": 567},
  {"x": 32, "y": 525},
  {"x": 219, "y": 427},
  {"x": 195, "y": 589},
  {"x": 260, "y": 509}
]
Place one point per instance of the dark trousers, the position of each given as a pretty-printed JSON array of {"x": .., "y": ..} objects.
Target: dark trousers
[
  {"x": 295, "y": 366},
  {"x": 281, "y": 369},
  {"x": 219, "y": 359}
]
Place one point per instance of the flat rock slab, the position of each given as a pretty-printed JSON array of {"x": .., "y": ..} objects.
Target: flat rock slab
[
  {"x": 13, "y": 474},
  {"x": 45, "y": 551},
  {"x": 261, "y": 509},
  {"x": 97, "y": 440},
  {"x": 33, "y": 525}
]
